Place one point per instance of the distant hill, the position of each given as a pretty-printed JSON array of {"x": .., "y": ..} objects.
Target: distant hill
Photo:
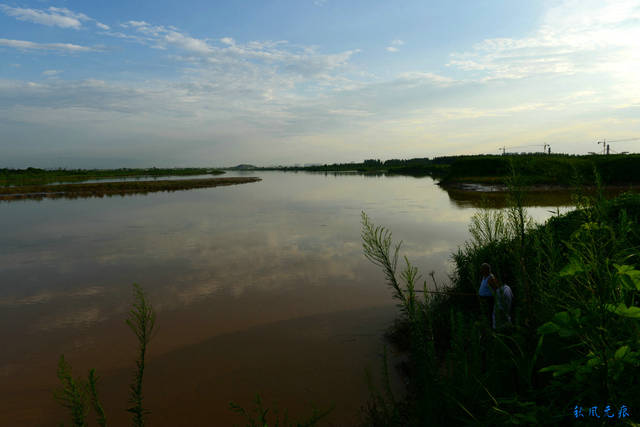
[{"x": 243, "y": 167}]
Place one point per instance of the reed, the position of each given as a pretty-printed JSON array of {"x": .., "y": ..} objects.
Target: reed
[
  {"x": 261, "y": 416},
  {"x": 79, "y": 395},
  {"x": 575, "y": 338},
  {"x": 142, "y": 319}
]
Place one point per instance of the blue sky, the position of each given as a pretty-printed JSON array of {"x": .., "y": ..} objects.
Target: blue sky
[{"x": 166, "y": 83}]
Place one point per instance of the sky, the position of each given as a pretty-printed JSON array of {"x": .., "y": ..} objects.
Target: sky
[{"x": 217, "y": 83}]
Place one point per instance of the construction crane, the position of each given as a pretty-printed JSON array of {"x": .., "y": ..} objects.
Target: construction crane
[
  {"x": 606, "y": 148},
  {"x": 604, "y": 144},
  {"x": 544, "y": 147}
]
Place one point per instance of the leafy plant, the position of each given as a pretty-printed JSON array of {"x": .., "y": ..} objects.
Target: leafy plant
[
  {"x": 259, "y": 416},
  {"x": 141, "y": 320}
]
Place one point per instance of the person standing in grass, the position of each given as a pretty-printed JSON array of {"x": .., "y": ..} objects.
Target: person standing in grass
[
  {"x": 503, "y": 298},
  {"x": 485, "y": 292}
]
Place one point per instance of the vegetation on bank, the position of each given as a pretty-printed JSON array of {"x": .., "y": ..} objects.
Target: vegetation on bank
[
  {"x": 534, "y": 168},
  {"x": 573, "y": 348},
  {"x": 540, "y": 169},
  {"x": 417, "y": 167},
  {"x": 101, "y": 189},
  {"x": 42, "y": 176}
]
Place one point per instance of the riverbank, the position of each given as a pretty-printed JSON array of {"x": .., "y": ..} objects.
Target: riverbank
[
  {"x": 570, "y": 342},
  {"x": 101, "y": 189},
  {"x": 479, "y": 187},
  {"x": 35, "y": 176},
  {"x": 545, "y": 172}
]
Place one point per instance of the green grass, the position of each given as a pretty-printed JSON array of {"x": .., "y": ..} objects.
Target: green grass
[{"x": 575, "y": 338}]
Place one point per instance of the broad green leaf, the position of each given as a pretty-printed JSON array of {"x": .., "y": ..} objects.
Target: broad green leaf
[
  {"x": 560, "y": 369},
  {"x": 561, "y": 318},
  {"x": 622, "y": 352},
  {"x": 571, "y": 269},
  {"x": 629, "y": 275},
  {"x": 593, "y": 362},
  {"x": 624, "y": 311},
  {"x": 548, "y": 328}
]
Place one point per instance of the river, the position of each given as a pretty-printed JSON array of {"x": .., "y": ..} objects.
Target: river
[{"x": 258, "y": 288}]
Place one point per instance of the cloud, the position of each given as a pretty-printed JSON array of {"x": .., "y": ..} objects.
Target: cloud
[
  {"x": 228, "y": 55},
  {"x": 394, "y": 45},
  {"x": 52, "y": 17},
  {"x": 575, "y": 37},
  {"x": 61, "y": 47},
  {"x": 51, "y": 73},
  {"x": 187, "y": 43},
  {"x": 280, "y": 101}
]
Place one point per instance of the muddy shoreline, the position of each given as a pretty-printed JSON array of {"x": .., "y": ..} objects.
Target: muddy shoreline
[{"x": 101, "y": 189}]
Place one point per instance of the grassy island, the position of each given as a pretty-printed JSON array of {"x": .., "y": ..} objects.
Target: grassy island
[
  {"x": 101, "y": 189},
  {"x": 43, "y": 176}
]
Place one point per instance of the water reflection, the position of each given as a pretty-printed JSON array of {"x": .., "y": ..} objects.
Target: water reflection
[
  {"x": 214, "y": 261},
  {"x": 499, "y": 199}
]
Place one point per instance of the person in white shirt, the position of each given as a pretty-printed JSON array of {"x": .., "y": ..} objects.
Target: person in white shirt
[{"x": 503, "y": 298}]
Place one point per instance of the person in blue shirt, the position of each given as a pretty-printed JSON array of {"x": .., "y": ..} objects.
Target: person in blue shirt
[{"x": 485, "y": 292}]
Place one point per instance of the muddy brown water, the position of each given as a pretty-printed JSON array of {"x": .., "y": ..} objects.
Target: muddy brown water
[{"x": 259, "y": 288}]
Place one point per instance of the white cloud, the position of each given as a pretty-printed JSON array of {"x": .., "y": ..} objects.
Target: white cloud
[
  {"x": 426, "y": 78},
  {"x": 51, "y": 73},
  {"x": 276, "y": 99},
  {"x": 62, "y": 47},
  {"x": 228, "y": 54},
  {"x": 135, "y": 24},
  {"x": 52, "y": 17},
  {"x": 394, "y": 45},
  {"x": 187, "y": 43},
  {"x": 575, "y": 37}
]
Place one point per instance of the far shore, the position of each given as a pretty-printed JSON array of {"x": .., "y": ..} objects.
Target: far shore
[
  {"x": 100, "y": 189},
  {"x": 484, "y": 187}
]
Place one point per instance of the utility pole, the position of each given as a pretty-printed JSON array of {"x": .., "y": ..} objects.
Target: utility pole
[
  {"x": 607, "y": 149},
  {"x": 504, "y": 150}
]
